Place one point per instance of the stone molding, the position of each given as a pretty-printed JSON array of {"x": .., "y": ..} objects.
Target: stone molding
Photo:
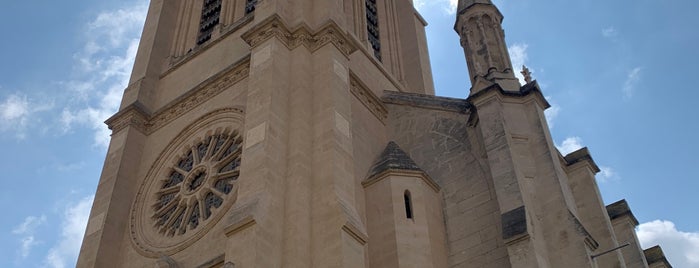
[
  {"x": 136, "y": 116},
  {"x": 302, "y": 35},
  {"x": 427, "y": 101},
  {"x": 368, "y": 98},
  {"x": 620, "y": 209},
  {"x": 405, "y": 173},
  {"x": 355, "y": 233},
  {"x": 581, "y": 156},
  {"x": 531, "y": 90},
  {"x": 243, "y": 224}
]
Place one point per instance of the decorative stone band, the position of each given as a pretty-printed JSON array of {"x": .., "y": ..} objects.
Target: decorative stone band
[
  {"x": 302, "y": 35},
  {"x": 368, "y": 98},
  {"x": 136, "y": 116},
  {"x": 526, "y": 90}
]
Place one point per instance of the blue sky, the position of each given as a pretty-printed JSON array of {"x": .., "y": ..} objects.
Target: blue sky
[{"x": 618, "y": 73}]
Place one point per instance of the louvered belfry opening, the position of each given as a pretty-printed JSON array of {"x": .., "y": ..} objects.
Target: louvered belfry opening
[
  {"x": 250, "y": 6},
  {"x": 372, "y": 25},
  {"x": 210, "y": 17}
]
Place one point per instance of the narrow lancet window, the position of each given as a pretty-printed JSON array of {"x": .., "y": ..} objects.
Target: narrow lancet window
[
  {"x": 372, "y": 25},
  {"x": 250, "y": 6},
  {"x": 210, "y": 17},
  {"x": 408, "y": 205}
]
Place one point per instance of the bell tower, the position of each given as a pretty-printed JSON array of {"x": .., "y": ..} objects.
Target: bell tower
[{"x": 241, "y": 138}]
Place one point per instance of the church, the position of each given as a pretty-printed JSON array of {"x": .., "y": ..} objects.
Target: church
[{"x": 307, "y": 133}]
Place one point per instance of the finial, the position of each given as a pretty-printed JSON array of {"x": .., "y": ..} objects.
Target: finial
[{"x": 527, "y": 74}]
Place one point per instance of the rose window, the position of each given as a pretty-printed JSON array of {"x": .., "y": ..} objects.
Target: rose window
[{"x": 197, "y": 184}]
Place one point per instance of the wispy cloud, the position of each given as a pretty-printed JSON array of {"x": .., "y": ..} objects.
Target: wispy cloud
[
  {"x": 26, "y": 230},
  {"x": 681, "y": 248},
  {"x": 16, "y": 113},
  {"x": 447, "y": 6},
  {"x": 552, "y": 112},
  {"x": 104, "y": 64},
  {"x": 632, "y": 79},
  {"x": 609, "y": 32},
  {"x": 569, "y": 145},
  {"x": 519, "y": 58},
  {"x": 607, "y": 174},
  {"x": 65, "y": 252}
]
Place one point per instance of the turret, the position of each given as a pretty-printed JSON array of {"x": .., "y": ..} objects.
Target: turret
[{"x": 479, "y": 24}]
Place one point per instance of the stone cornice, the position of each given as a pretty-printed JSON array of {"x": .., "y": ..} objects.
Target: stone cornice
[
  {"x": 405, "y": 173},
  {"x": 368, "y": 98},
  {"x": 135, "y": 115},
  {"x": 427, "y": 101},
  {"x": 581, "y": 156},
  {"x": 621, "y": 209},
  {"x": 302, "y": 35},
  {"x": 531, "y": 90}
]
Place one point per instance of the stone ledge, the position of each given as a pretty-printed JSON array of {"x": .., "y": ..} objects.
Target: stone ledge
[
  {"x": 461, "y": 106},
  {"x": 526, "y": 90},
  {"x": 620, "y": 209},
  {"x": 582, "y": 155},
  {"x": 656, "y": 255}
]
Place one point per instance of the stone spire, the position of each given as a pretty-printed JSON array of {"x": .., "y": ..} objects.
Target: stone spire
[{"x": 479, "y": 24}]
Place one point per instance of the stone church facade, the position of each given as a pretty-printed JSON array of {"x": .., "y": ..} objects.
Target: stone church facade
[{"x": 306, "y": 133}]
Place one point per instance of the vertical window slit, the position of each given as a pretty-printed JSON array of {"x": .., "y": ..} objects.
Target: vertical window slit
[
  {"x": 408, "y": 205},
  {"x": 372, "y": 25},
  {"x": 210, "y": 17}
]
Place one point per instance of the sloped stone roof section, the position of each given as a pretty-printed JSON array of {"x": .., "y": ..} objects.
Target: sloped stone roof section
[{"x": 393, "y": 158}]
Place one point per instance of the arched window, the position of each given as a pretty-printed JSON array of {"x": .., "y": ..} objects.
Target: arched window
[
  {"x": 408, "y": 205},
  {"x": 372, "y": 26},
  {"x": 210, "y": 17}
]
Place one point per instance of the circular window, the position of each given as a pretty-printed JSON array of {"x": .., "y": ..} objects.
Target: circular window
[
  {"x": 190, "y": 186},
  {"x": 196, "y": 184}
]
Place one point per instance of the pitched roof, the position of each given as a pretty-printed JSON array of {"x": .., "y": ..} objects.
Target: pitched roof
[{"x": 393, "y": 158}]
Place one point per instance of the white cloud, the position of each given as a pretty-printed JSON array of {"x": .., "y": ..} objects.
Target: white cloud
[
  {"x": 519, "y": 57},
  {"x": 26, "y": 230},
  {"x": 606, "y": 174},
  {"x": 552, "y": 112},
  {"x": 447, "y": 6},
  {"x": 15, "y": 112},
  {"x": 105, "y": 64},
  {"x": 609, "y": 32},
  {"x": 681, "y": 248},
  {"x": 569, "y": 145},
  {"x": 632, "y": 79},
  {"x": 73, "y": 223}
]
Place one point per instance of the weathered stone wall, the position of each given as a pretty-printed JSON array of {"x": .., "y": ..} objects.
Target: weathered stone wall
[{"x": 442, "y": 143}]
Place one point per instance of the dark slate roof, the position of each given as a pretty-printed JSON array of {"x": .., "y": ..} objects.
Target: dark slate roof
[
  {"x": 393, "y": 158},
  {"x": 656, "y": 255},
  {"x": 620, "y": 209}
]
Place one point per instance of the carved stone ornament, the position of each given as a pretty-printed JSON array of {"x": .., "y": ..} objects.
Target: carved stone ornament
[
  {"x": 137, "y": 117},
  {"x": 302, "y": 35},
  {"x": 190, "y": 186},
  {"x": 368, "y": 98}
]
